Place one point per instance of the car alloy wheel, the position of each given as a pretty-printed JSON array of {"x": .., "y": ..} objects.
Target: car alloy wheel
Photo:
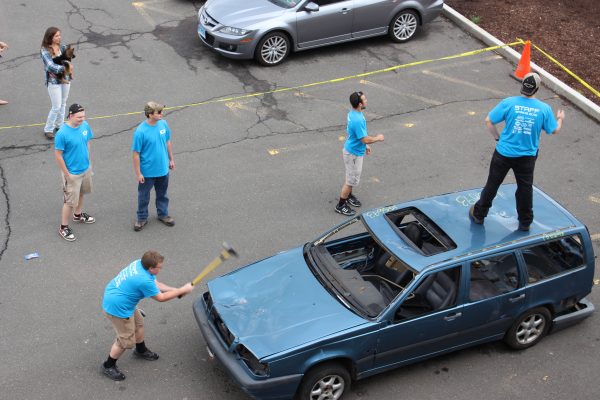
[
  {"x": 529, "y": 329},
  {"x": 327, "y": 381},
  {"x": 273, "y": 49},
  {"x": 404, "y": 26}
]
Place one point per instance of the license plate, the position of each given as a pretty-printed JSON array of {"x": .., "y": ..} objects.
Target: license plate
[{"x": 202, "y": 32}]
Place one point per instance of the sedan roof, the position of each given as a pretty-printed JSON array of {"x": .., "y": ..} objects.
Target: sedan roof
[{"x": 450, "y": 212}]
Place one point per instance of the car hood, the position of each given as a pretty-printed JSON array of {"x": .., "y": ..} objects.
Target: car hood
[
  {"x": 277, "y": 304},
  {"x": 242, "y": 14}
]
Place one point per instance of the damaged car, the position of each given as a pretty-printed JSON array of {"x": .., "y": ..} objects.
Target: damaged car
[{"x": 394, "y": 286}]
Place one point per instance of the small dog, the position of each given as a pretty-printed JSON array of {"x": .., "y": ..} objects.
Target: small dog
[{"x": 65, "y": 60}]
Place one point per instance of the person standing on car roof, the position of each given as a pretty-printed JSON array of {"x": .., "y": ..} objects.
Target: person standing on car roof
[
  {"x": 517, "y": 148},
  {"x": 356, "y": 146},
  {"x": 119, "y": 304}
]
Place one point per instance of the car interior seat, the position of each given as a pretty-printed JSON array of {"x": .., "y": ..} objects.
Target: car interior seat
[{"x": 438, "y": 289}]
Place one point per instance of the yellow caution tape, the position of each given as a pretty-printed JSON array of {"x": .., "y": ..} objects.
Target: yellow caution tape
[
  {"x": 568, "y": 71},
  {"x": 287, "y": 89}
]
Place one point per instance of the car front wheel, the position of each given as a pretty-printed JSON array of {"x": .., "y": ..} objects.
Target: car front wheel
[
  {"x": 404, "y": 26},
  {"x": 272, "y": 49},
  {"x": 529, "y": 328},
  {"x": 324, "y": 382}
]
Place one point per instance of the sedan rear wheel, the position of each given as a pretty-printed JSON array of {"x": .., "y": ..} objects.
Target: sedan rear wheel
[
  {"x": 273, "y": 49},
  {"x": 404, "y": 26},
  {"x": 529, "y": 328}
]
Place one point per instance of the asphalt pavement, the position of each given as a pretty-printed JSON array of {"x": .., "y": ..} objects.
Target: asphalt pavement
[{"x": 262, "y": 173}]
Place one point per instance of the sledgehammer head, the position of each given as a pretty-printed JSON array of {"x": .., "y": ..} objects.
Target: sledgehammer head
[{"x": 230, "y": 251}]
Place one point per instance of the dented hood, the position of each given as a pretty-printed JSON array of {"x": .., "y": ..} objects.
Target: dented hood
[{"x": 277, "y": 304}]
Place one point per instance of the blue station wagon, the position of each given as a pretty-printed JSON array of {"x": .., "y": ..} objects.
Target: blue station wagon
[{"x": 393, "y": 286}]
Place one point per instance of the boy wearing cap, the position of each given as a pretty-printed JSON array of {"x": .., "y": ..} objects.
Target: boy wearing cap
[
  {"x": 72, "y": 154},
  {"x": 517, "y": 148},
  {"x": 152, "y": 160}
]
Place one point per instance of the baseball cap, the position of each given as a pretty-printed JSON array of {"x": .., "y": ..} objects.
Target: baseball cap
[
  {"x": 75, "y": 108},
  {"x": 531, "y": 84}
]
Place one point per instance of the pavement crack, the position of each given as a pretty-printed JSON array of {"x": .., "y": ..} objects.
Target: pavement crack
[{"x": 4, "y": 245}]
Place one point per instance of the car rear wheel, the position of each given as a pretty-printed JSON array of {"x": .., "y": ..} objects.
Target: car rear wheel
[
  {"x": 529, "y": 328},
  {"x": 324, "y": 382},
  {"x": 404, "y": 26},
  {"x": 272, "y": 49}
]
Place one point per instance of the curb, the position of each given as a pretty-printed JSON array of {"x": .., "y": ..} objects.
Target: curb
[{"x": 548, "y": 80}]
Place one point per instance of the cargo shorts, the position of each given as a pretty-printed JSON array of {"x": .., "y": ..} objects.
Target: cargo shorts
[
  {"x": 126, "y": 328},
  {"x": 353, "y": 168},
  {"x": 74, "y": 185}
]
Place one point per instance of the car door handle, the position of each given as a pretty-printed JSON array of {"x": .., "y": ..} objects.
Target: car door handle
[
  {"x": 515, "y": 299},
  {"x": 345, "y": 10},
  {"x": 452, "y": 317}
]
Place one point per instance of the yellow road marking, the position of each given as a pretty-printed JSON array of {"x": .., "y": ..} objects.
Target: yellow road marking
[
  {"x": 292, "y": 88},
  {"x": 236, "y": 106},
  {"x": 471, "y": 113},
  {"x": 594, "y": 199},
  {"x": 409, "y": 125}
]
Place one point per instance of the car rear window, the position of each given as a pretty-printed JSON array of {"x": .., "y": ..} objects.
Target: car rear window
[
  {"x": 552, "y": 258},
  {"x": 419, "y": 231}
]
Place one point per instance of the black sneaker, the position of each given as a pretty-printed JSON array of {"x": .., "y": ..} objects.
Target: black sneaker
[
  {"x": 345, "y": 209},
  {"x": 139, "y": 225},
  {"x": 113, "y": 373},
  {"x": 146, "y": 355},
  {"x": 472, "y": 216},
  {"x": 66, "y": 234},
  {"x": 353, "y": 201},
  {"x": 85, "y": 218},
  {"x": 49, "y": 135}
]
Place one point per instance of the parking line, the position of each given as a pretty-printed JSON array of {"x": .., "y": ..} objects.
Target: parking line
[
  {"x": 595, "y": 237},
  {"x": 140, "y": 8},
  {"x": 465, "y": 83},
  {"x": 396, "y": 92},
  {"x": 594, "y": 199}
]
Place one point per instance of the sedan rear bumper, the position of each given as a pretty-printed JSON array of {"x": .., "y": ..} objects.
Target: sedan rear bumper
[{"x": 584, "y": 309}]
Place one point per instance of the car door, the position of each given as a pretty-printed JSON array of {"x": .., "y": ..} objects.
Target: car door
[
  {"x": 331, "y": 23},
  {"x": 496, "y": 295},
  {"x": 426, "y": 322},
  {"x": 371, "y": 17}
]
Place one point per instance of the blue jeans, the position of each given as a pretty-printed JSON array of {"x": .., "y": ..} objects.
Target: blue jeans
[
  {"x": 160, "y": 185},
  {"x": 58, "y": 97}
]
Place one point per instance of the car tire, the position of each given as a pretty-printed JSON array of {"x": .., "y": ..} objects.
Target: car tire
[
  {"x": 272, "y": 49},
  {"x": 327, "y": 381},
  {"x": 404, "y": 26},
  {"x": 529, "y": 328}
]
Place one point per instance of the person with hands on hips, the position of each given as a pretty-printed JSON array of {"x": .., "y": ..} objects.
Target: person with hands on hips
[
  {"x": 152, "y": 160},
  {"x": 72, "y": 152},
  {"x": 134, "y": 283}
]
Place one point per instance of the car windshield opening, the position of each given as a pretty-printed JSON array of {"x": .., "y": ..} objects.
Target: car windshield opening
[
  {"x": 419, "y": 231},
  {"x": 285, "y": 3},
  {"x": 360, "y": 272}
]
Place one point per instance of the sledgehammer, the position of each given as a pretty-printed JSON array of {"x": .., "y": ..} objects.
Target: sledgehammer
[{"x": 227, "y": 252}]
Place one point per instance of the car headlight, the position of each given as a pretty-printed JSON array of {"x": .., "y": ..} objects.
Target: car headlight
[{"x": 234, "y": 31}]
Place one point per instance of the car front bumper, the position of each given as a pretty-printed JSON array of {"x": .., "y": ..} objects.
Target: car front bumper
[
  {"x": 283, "y": 387},
  {"x": 584, "y": 309},
  {"x": 227, "y": 45}
]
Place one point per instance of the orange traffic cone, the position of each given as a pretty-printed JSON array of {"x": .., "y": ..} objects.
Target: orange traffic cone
[{"x": 524, "y": 66}]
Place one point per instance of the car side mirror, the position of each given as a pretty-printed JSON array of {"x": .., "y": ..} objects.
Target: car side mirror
[{"x": 311, "y": 7}]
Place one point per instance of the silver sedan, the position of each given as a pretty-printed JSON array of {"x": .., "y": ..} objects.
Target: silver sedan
[{"x": 268, "y": 30}]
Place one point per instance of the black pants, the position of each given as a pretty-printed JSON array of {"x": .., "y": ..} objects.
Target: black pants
[{"x": 523, "y": 169}]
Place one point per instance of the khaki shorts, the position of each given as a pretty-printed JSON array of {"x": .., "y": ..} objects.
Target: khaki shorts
[
  {"x": 353, "y": 168},
  {"x": 75, "y": 185},
  {"x": 126, "y": 328}
]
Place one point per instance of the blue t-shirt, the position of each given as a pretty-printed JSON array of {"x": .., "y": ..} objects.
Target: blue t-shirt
[
  {"x": 151, "y": 143},
  {"x": 524, "y": 119},
  {"x": 357, "y": 129},
  {"x": 125, "y": 290},
  {"x": 73, "y": 143}
]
